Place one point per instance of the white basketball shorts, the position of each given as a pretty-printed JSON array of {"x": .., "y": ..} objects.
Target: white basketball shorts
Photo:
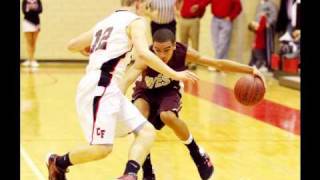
[{"x": 104, "y": 112}]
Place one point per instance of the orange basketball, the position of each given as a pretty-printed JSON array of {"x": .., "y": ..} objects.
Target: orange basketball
[{"x": 249, "y": 90}]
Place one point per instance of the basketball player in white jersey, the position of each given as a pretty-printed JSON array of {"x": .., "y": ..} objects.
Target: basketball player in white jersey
[{"x": 104, "y": 112}]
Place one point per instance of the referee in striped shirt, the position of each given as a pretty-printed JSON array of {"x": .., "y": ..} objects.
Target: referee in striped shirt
[{"x": 164, "y": 17}]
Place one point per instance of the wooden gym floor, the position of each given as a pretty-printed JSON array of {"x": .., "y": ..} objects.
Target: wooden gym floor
[{"x": 258, "y": 143}]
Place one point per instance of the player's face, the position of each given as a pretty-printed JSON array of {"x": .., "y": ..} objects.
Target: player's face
[{"x": 164, "y": 50}]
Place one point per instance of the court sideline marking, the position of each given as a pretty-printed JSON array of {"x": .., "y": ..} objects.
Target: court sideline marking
[{"x": 31, "y": 164}]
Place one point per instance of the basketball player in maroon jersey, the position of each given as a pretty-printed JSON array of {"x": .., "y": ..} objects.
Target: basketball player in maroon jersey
[{"x": 158, "y": 97}]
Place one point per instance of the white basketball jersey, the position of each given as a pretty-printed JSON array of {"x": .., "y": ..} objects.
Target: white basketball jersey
[{"x": 110, "y": 40}]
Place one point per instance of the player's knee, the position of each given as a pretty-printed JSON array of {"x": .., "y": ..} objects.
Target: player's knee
[
  {"x": 168, "y": 117},
  {"x": 143, "y": 107},
  {"x": 145, "y": 112},
  {"x": 101, "y": 151},
  {"x": 148, "y": 130}
]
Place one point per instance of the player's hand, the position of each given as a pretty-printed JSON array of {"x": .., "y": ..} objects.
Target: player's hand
[
  {"x": 186, "y": 76},
  {"x": 86, "y": 51},
  {"x": 256, "y": 72}
]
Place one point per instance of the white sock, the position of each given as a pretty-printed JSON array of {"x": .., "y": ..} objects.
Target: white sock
[{"x": 189, "y": 140}]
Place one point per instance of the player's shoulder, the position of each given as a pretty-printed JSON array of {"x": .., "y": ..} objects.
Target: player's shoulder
[
  {"x": 181, "y": 45},
  {"x": 121, "y": 15},
  {"x": 137, "y": 23},
  {"x": 181, "y": 48},
  {"x": 126, "y": 13}
]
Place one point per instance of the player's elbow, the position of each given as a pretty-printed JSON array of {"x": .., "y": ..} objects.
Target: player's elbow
[
  {"x": 142, "y": 56},
  {"x": 219, "y": 65},
  {"x": 72, "y": 46}
]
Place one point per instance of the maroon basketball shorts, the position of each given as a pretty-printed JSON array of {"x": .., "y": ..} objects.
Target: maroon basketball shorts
[{"x": 159, "y": 100}]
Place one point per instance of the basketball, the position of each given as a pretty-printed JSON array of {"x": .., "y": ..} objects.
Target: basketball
[{"x": 249, "y": 90}]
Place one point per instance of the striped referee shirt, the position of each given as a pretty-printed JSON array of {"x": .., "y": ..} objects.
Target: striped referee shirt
[{"x": 165, "y": 9}]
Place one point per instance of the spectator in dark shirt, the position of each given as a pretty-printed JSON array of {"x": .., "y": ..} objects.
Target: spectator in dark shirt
[{"x": 31, "y": 28}]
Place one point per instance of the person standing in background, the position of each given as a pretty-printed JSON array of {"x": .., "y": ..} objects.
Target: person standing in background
[
  {"x": 165, "y": 16},
  {"x": 258, "y": 55},
  {"x": 224, "y": 12},
  {"x": 268, "y": 9},
  {"x": 189, "y": 24},
  {"x": 31, "y": 28}
]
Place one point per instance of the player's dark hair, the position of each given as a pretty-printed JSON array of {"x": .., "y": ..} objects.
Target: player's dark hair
[{"x": 164, "y": 35}]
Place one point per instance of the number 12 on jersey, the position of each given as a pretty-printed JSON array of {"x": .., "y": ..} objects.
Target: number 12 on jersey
[{"x": 100, "y": 42}]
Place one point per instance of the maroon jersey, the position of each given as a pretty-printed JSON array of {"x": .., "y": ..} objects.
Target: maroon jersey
[
  {"x": 162, "y": 93},
  {"x": 151, "y": 79}
]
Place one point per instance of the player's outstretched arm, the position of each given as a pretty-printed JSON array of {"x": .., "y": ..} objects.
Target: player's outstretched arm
[
  {"x": 222, "y": 64},
  {"x": 137, "y": 33},
  {"x": 131, "y": 75},
  {"x": 81, "y": 42}
]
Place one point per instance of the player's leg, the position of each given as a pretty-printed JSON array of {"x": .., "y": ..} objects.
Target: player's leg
[
  {"x": 58, "y": 165},
  {"x": 169, "y": 108},
  {"x": 90, "y": 153},
  {"x": 133, "y": 121},
  {"x": 199, "y": 157},
  {"x": 169, "y": 105},
  {"x": 144, "y": 137},
  {"x": 170, "y": 119},
  {"x": 139, "y": 150},
  {"x": 144, "y": 107},
  {"x": 97, "y": 116}
]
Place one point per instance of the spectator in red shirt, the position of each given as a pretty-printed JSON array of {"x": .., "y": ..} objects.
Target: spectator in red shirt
[
  {"x": 224, "y": 12},
  {"x": 259, "y": 56},
  {"x": 190, "y": 24}
]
